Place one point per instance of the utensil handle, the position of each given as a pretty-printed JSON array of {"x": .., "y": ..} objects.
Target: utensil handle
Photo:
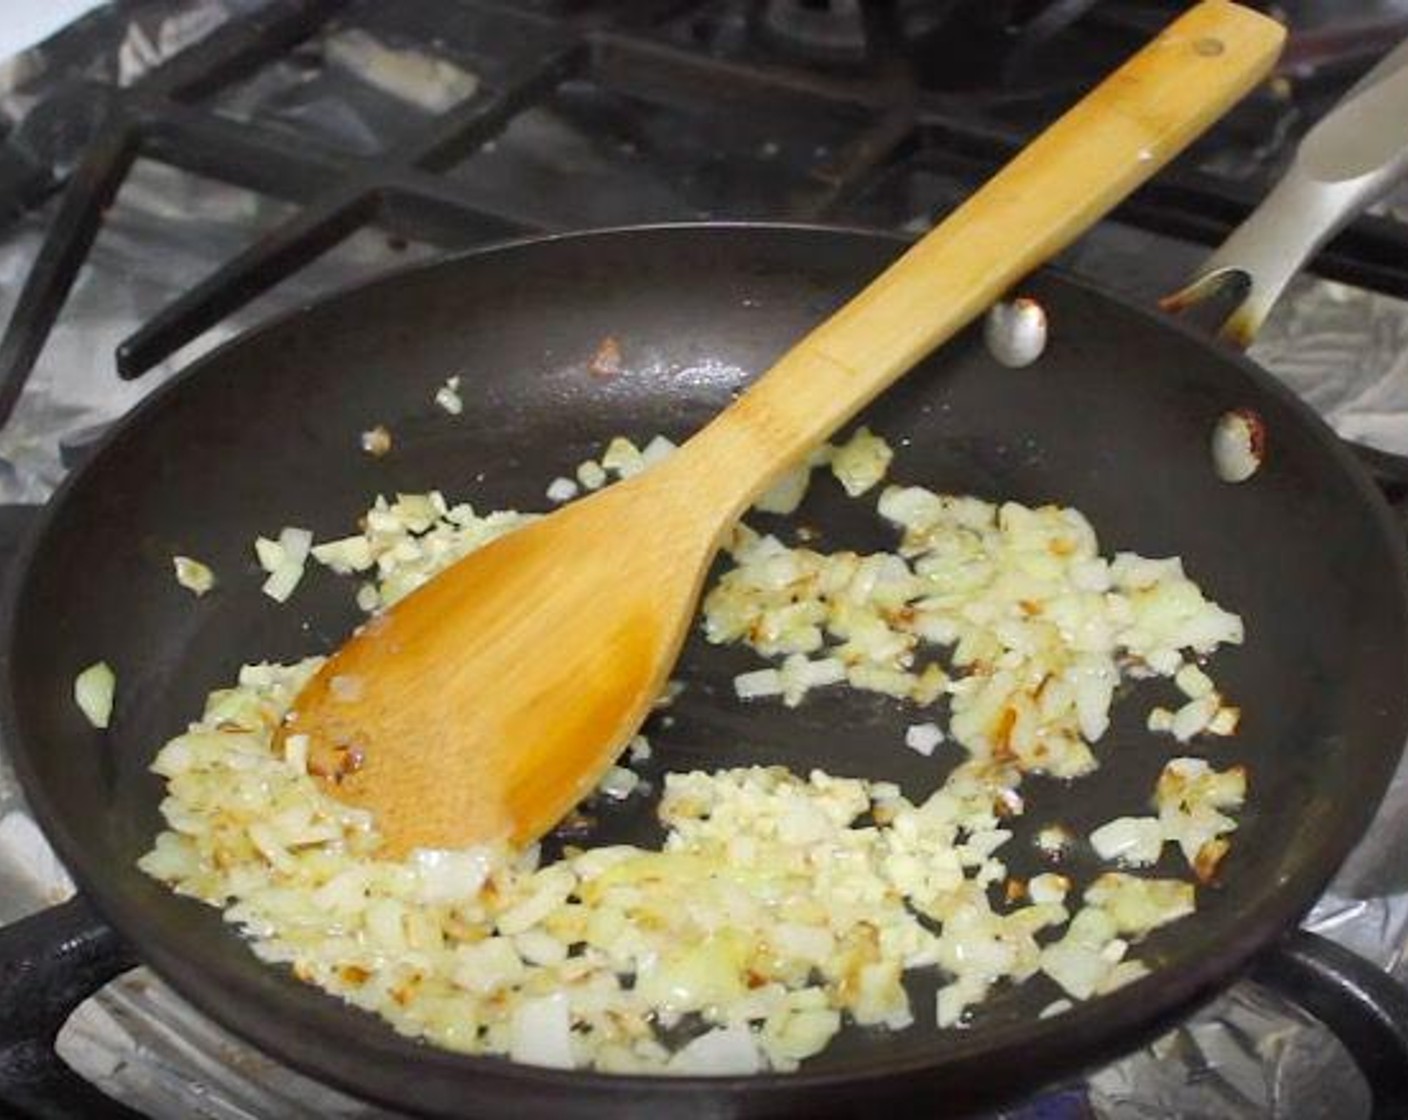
[
  {"x": 1363, "y": 1006},
  {"x": 51, "y": 962},
  {"x": 1344, "y": 164},
  {"x": 1114, "y": 139}
]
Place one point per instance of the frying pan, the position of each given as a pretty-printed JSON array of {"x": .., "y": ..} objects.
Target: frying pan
[{"x": 1114, "y": 418}]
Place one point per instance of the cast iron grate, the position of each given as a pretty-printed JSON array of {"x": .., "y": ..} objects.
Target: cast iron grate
[{"x": 894, "y": 106}]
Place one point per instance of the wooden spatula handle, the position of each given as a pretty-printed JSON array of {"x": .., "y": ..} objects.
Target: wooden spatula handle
[{"x": 1072, "y": 174}]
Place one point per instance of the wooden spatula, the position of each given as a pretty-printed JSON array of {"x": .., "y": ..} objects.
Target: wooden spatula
[{"x": 486, "y": 704}]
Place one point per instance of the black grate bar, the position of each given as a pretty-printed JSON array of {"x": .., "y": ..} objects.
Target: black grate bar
[
  {"x": 237, "y": 48},
  {"x": 329, "y": 218},
  {"x": 420, "y": 206},
  {"x": 661, "y": 70},
  {"x": 277, "y": 163},
  {"x": 1372, "y": 252},
  {"x": 246, "y": 154},
  {"x": 71, "y": 235},
  {"x": 842, "y": 177},
  {"x": 455, "y": 134},
  {"x": 282, "y": 251}
]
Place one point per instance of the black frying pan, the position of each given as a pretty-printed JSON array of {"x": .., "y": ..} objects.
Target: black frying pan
[{"x": 1115, "y": 419}]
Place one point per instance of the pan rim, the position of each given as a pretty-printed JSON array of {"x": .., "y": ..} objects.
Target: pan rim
[{"x": 1130, "y": 1011}]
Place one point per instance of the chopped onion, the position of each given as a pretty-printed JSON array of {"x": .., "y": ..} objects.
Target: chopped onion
[
  {"x": 623, "y": 458},
  {"x": 923, "y": 737},
  {"x": 759, "y": 683},
  {"x": 1160, "y": 720},
  {"x": 93, "y": 691},
  {"x": 1194, "y": 717},
  {"x": 282, "y": 581},
  {"x": 376, "y": 442},
  {"x": 861, "y": 462},
  {"x": 591, "y": 475},
  {"x": 1053, "y": 840},
  {"x": 448, "y": 397},
  {"x": 1135, "y": 841},
  {"x": 296, "y": 544},
  {"x": 1225, "y": 721},
  {"x": 270, "y": 554},
  {"x": 786, "y": 494},
  {"x": 1193, "y": 682},
  {"x": 724, "y": 1051},
  {"x": 618, "y": 783},
  {"x": 542, "y": 1032},
  {"x": 349, "y": 554},
  {"x": 296, "y": 752},
  {"x": 658, "y": 449},
  {"x": 776, "y": 904},
  {"x": 561, "y": 490},
  {"x": 451, "y": 875},
  {"x": 193, "y": 575}
]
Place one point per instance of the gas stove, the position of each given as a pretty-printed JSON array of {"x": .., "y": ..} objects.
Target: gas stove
[{"x": 173, "y": 172}]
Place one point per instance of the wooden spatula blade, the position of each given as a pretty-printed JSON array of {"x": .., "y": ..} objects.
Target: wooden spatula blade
[{"x": 487, "y": 703}]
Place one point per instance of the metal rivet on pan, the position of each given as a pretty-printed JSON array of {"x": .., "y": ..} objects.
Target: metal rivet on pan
[
  {"x": 1016, "y": 332},
  {"x": 1238, "y": 445}
]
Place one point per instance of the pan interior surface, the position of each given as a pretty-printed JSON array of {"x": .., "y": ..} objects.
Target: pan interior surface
[{"x": 1115, "y": 419}]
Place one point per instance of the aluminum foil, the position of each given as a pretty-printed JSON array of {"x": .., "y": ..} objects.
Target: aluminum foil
[{"x": 1248, "y": 1055}]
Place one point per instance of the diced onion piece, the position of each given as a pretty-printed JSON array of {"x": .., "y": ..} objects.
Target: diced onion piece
[
  {"x": 193, "y": 575},
  {"x": 1194, "y": 717},
  {"x": 296, "y": 544},
  {"x": 618, "y": 783},
  {"x": 658, "y": 449},
  {"x": 591, "y": 475},
  {"x": 923, "y": 737},
  {"x": 282, "y": 581},
  {"x": 488, "y": 966},
  {"x": 1193, "y": 682},
  {"x": 1137, "y": 905},
  {"x": 376, "y": 441},
  {"x": 861, "y": 462},
  {"x": 757, "y": 684},
  {"x": 1225, "y": 722},
  {"x": 367, "y": 597},
  {"x": 1160, "y": 720},
  {"x": 786, "y": 494},
  {"x": 271, "y": 554},
  {"x": 1048, "y": 888},
  {"x": 452, "y": 875},
  {"x": 623, "y": 458},
  {"x": 296, "y": 752},
  {"x": 1079, "y": 969},
  {"x": 561, "y": 490},
  {"x": 542, "y": 1032},
  {"x": 720, "y": 1052},
  {"x": 1135, "y": 841},
  {"x": 346, "y": 555},
  {"x": 1053, "y": 840},
  {"x": 93, "y": 691},
  {"x": 448, "y": 396}
]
